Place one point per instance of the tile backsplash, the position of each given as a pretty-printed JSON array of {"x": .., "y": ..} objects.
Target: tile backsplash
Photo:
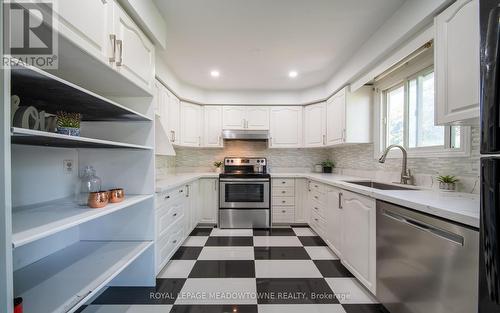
[{"x": 357, "y": 160}]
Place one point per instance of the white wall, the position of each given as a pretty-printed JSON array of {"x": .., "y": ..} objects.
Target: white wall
[{"x": 407, "y": 22}]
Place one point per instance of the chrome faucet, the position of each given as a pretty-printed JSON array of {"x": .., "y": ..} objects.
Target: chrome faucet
[{"x": 406, "y": 177}]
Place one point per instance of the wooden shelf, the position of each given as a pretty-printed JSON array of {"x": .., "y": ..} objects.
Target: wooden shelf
[
  {"x": 65, "y": 280},
  {"x": 34, "y": 222},
  {"x": 51, "y": 94},
  {"x": 31, "y": 137}
]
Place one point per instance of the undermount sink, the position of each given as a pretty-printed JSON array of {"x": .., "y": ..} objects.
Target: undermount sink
[{"x": 381, "y": 186}]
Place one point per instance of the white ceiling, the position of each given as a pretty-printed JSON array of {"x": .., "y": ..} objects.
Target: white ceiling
[{"x": 255, "y": 43}]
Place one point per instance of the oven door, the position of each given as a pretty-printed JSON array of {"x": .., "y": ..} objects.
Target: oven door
[{"x": 241, "y": 193}]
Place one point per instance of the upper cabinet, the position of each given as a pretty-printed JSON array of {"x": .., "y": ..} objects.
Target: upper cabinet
[
  {"x": 168, "y": 109},
  {"x": 102, "y": 29},
  {"x": 344, "y": 118},
  {"x": 212, "y": 134},
  {"x": 315, "y": 125},
  {"x": 286, "y": 127},
  {"x": 245, "y": 118},
  {"x": 133, "y": 52},
  {"x": 456, "y": 57},
  {"x": 191, "y": 124},
  {"x": 94, "y": 37}
]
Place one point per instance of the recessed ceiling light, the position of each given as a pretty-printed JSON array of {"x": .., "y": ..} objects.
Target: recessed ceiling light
[
  {"x": 214, "y": 73},
  {"x": 293, "y": 74}
]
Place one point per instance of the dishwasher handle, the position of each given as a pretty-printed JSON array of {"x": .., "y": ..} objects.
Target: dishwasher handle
[{"x": 441, "y": 233}]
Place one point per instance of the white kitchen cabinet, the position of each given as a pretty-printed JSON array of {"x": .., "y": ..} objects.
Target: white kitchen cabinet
[
  {"x": 358, "y": 244},
  {"x": 349, "y": 117},
  {"x": 173, "y": 115},
  {"x": 334, "y": 217},
  {"x": 94, "y": 36},
  {"x": 456, "y": 57},
  {"x": 191, "y": 122},
  {"x": 257, "y": 118},
  {"x": 194, "y": 201},
  {"x": 245, "y": 117},
  {"x": 212, "y": 134},
  {"x": 134, "y": 52},
  {"x": 315, "y": 125},
  {"x": 286, "y": 127},
  {"x": 209, "y": 204},
  {"x": 234, "y": 117},
  {"x": 301, "y": 200}
]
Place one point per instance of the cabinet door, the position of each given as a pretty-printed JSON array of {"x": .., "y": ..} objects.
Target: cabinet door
[
  {"x": 314, "y": 125},
  {"x": 257, "y": 118},
  {"x": 457, "y": 63},
  {"x": 193, "y": 195},
  {"x": 210, "y": 200},
  {"x": 286, "y": 127},
  {"x": 334, "y": 220},
  {"x": 87, "y": 23},
  {"x": 335, "y": 117},
  {"x": 191, "y": 124},
  {"x": 157, "y": 98},
  {"x": 233, "y": 117},
  {"x": 135, "y": 57},
  {"x": 358, "y": 237},
  {"x": 212, "y": 135},
  {"x": 174, "y": 118}
]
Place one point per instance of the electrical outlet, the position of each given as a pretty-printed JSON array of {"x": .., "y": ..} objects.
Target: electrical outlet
[{"x": 68, "y": 166}]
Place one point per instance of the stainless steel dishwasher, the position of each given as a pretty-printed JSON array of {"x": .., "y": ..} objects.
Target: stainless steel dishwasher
[{"x": 425, "y": 264}]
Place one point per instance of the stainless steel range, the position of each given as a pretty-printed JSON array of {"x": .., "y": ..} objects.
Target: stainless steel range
[{"x": 245, "y": 189}]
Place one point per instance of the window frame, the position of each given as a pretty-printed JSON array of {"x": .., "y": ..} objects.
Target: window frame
[{"x": 402, "y": 76}]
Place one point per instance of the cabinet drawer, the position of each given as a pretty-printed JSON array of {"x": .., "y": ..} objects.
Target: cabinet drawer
[
  {"x": 170, "y": 195},
  {"x": 318, "y": 209},
  {"x": 318, "y": 197},
  {"x": 283, "y": 214},
  {"x": 284, "y": 192},
  {"x": 315, "y": 186},
  {"x": 283, "y": 182},
  {"x": 287, "y": 201},
  {"x": 169, "y": 242},
  {"x": 318, "y": 223},
  {"x": 168, "y": 217}
]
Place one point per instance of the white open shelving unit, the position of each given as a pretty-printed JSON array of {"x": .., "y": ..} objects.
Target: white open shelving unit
[
  {"x": 63, "y": 281},
  {"x": 37, "y": 221},
  {"x": 63, "y": 254}
]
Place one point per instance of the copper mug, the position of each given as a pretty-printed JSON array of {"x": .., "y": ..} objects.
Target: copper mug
[
  {"x": 116, "y": 195},
  {"x": 98, "y": 199}
]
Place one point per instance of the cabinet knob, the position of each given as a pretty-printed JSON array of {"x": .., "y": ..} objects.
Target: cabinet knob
[
  {"x": 283, "y": 201},
  {"x": 283, "y": 191},
  {"x": 283, "y": 211},
  {"x": 316, "y": 197},
  {"x": 175, "y": 241},
  {"x": 283, "y": 182},
  {"x": 175, "y": 214},
  {"x": 167, "y": 197}
]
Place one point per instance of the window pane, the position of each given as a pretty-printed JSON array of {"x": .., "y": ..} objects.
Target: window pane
[
  {"x": 395, "y": 116},
  {"x": 422, "y": 132},
  {"x": 455, "y": 137}
]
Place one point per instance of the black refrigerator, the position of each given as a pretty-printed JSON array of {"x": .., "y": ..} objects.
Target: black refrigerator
[{"x": 489, "y": 255}]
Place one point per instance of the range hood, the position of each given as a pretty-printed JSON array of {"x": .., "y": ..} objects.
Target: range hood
[{"x": 261, "y": 135}]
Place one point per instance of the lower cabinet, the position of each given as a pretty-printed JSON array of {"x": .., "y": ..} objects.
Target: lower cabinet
[
  {"x": 283, "y": 200},
  {"x": 358, "y": 244},
  {"x": 346, "y": 222},
  {"x": 333, "y": 215},
  {"x": 209, "y": 191}
]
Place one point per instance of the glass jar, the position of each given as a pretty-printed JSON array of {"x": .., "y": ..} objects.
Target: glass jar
[{"x": 89, "y": 182}]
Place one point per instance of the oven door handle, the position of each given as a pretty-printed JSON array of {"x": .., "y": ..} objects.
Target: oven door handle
[{"x": 247, "y": 180}]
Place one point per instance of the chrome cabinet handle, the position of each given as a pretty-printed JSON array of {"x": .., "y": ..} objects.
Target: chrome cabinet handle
[
  {"x": 219, "y": 140},
  {"x": 324, "y": 139},
  {"x": 167, "y": 197},
  {"x": 119, "y": 44},
  {"x": 283, "y": 191},
  {"x": 199, "y": 141},
  {"x": 340, "y": 201},
  {"x": 112, "y": 37},
  {"x": 187, "y": 193}
]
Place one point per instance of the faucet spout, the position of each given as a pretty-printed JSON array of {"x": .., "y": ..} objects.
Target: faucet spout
[{"x": 406, "y": 177}]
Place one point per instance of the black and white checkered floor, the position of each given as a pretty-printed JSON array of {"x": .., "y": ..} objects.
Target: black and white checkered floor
[{"x": 242, "y": 270}]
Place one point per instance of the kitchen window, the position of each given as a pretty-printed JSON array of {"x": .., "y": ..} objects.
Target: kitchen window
[{"x": 406, "y": 107}]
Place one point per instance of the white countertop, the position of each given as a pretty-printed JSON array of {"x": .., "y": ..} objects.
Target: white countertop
[{"x": 455, "y": 206}]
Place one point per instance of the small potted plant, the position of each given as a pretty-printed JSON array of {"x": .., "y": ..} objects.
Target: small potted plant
[
  {"x": 328, "y": 166},
  {"x": 68, "y": 123},
  {"x": 447, "y": 182},
  {"x": 218, "y": 166}
]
